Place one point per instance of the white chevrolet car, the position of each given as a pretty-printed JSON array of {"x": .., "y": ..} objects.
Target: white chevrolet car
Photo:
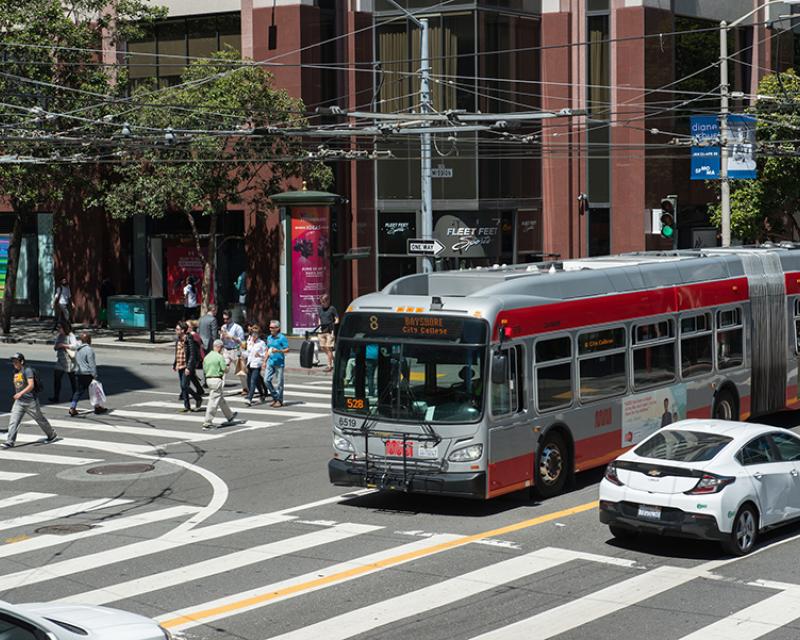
[
  {"x": 709, "y": 479},
  {"x": 54, "y": 621}
]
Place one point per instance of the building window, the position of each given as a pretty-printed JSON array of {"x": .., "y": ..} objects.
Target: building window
[{"x": 599, "y": 232}]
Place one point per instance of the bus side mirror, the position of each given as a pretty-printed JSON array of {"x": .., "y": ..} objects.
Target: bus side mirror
[{"x": 499, "y": 368}]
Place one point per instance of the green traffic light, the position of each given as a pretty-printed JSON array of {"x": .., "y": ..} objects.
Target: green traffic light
[{"x": 667, "y": 231}]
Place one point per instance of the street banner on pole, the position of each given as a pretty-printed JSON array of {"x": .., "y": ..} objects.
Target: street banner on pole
[
  {"x": 311, "y": 263},
  {"x": 705, "y": 147}
]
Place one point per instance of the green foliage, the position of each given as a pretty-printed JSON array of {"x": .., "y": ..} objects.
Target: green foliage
[{"x": 766, "y": 208}]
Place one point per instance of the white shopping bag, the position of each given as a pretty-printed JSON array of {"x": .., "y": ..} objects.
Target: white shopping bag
[{"x": 97, "y": 396}]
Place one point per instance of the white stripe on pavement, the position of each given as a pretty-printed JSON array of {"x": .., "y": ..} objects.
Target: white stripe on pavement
[
  {"x": 41, "y": 458},
  {"x": 59, "y": 512},
  {"x": 107, "y": 526},
  {"x": 10, "y": 476},
  {"x": 236, "y": 560},
  {"x": 120, "y": 447},
  {"x": 168, "y": 542},
  {"x": 197, "y": 418},
  {"x": 593, "y": 606},
  {"x": 217, "y": 609},
  {"x": 110, "y": 429},
  {"x": 444, "y": 593},
  {"x": 754, "y": 621},
  {"x": 263, "y": 410},
  {"x": 22, "y": 498}
]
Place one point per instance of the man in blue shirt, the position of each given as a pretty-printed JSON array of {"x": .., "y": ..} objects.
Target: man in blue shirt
[{"x": 277, "y": 346}]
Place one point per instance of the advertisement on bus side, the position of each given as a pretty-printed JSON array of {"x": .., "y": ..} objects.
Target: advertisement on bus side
[{"x": 644, "y": 413}]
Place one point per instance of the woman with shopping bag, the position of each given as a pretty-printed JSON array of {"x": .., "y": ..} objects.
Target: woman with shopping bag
[{"x": 86, "y": 369}]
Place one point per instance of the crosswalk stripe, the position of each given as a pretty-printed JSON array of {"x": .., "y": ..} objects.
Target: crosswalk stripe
[
  {"x": 264, "y": 410},
  {"x": 601, "y": 603},
  {"x": 197, "y": 418},
  {"x": 135, "y": 550},
  {"x": 10, "y": 476},
  {"x": 22, "y": 498},
  {"x": 214, "y": 566},
  {"x": 24, "y": 456},
  {"x": 290, "y": 393},
  {"x": 121, "y": 447},
  {"x": 300, "y": 585},
  {"x": 60, "y": 512},
  {"x": 444, "y": 593},
  {"x": 110, "y": 429},
  {"x": 107, "y": 526},
  {"x": 754, "y": 621}
]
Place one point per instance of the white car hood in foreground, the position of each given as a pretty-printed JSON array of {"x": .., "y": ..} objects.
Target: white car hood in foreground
[{"x": 98, "y": 621}]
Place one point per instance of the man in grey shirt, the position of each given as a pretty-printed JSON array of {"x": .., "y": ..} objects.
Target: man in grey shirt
[
  {"x": 26, "y": 401},
  {"x": 208, "y": 328}
]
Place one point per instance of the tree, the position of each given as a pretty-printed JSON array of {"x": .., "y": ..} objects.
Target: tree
[
  {"x": 56, "y": 103},
  {"x": 210, "y": 143},
  {"x": 766, "y": 208}
]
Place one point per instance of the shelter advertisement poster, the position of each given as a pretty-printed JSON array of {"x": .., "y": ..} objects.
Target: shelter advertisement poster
[
  {"x": 645, "y": 413},
  {"x": 5, "y": 240},
  {"x": 183, "y": 261},
  {"x": 311, "y": 263}
]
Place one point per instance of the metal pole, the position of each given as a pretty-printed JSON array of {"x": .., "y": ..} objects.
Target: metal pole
[
  {"x": 425, "y": 146},
  {"x": 724, "y": 92}
]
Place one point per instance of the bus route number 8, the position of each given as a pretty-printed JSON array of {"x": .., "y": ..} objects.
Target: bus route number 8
[{"x": 373, "y": 323}]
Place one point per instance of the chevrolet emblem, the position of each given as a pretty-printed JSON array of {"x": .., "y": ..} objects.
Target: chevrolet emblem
[{"x": 654, "y": 472}]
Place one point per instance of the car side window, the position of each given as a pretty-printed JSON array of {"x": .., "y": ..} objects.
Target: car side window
[
  {"x": 756, "y": 451},
  {"x": 12, "y": 628},
  {"x": 788, "y": 446}
]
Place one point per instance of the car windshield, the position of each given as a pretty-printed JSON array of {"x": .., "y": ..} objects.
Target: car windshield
[
  {"x": 682, "y": 446},
  {"x": 399, "y": 381}
]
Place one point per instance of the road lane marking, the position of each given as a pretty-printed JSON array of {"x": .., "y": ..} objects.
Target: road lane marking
[
  {"x": 197, "y": 418},
  {"x": 444, "y": 593},
  {"x": 10, "y": 476},
  {"x": 60, "y": 512},
  {"x": 597, "y": 604},
  {"x": 42, "y": 458},
  {"x": 114, "y": 447},
  {"x": 264, "y": 410},
  {"x": 22, "y": 498},
  {"x": 111, "y": 429},
  {"x": 207, "y": 612},
  {"x": 108, "y": 526},
  {"x": 214, "y": 566},
  {"x": 754, "y": 621}
]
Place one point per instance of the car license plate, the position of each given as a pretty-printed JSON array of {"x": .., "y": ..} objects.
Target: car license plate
[
  {"x": 428, "y": 452},
  {"x": 649, "y": 513}
]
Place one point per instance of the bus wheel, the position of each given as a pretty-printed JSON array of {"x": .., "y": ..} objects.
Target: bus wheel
[
  {"x": 550, "y": 470},
  {"x": 725, "y": 406}
]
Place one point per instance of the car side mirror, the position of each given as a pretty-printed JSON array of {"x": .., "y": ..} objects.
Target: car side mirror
[{"x": 499, "y": 368}]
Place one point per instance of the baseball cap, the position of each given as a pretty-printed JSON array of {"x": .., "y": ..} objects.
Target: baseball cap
[{"x": 18, "y": 356}]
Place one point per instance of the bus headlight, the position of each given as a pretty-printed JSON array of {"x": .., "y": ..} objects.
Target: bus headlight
[
  {"x": 466, "y": 454},
  {"x": 342, "y": 444}
]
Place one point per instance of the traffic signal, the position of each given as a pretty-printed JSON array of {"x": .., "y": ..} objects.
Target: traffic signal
[{"x": 669, "y": 217}]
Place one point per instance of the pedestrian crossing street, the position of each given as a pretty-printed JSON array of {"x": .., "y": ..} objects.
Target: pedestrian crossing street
[{"x": 286, "y": 575}]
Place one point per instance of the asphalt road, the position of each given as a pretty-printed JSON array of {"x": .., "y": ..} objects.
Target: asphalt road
[{"x": 237, "y": 534}]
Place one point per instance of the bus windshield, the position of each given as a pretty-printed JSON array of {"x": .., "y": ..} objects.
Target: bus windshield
[{"x": 411, "y": 367}]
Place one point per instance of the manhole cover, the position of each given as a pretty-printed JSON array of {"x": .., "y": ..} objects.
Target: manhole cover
[
  {"x": 120, "y": 469},
  {"x": 63, "y": 529}
]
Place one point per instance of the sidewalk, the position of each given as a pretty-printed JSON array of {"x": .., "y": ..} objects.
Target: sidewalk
[{"x": 33, "y": 331}]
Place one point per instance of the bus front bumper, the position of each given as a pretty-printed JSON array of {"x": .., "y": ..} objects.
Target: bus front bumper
[{"x": 464, "y": 485}]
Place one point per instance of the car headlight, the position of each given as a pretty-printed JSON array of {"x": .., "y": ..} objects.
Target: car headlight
[
  {"x": 342, "y": 444},
  {"x": 466, "y": 454},
  {"x": 167, "y": 633}
]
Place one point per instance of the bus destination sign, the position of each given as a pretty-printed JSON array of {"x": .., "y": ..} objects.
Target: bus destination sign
[{"x": 413, "y": 326}]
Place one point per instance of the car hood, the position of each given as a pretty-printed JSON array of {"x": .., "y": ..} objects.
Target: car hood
[{"x": 93, "y": 618}]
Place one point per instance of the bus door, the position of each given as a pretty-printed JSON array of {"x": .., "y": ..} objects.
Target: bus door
[{"x": 510, "y": 443}]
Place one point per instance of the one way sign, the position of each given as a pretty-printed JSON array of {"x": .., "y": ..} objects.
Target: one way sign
[{"x": 421, "y": 247}]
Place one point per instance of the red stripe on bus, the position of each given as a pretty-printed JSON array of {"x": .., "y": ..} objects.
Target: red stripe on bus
[
  {"x": 793, "y": 283},
  {"x": 699, "y": 413},
  {"x": 572, "y": 314},
  {"x": 597, "y": 450},
  {"x": 791, "y": 396},
  {"x": 513, "y": 472},
  {"x": 744, "y": 408}
]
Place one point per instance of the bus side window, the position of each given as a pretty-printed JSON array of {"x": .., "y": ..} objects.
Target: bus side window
[
  {"x": 730, "y": 338},
  {"x": 507, "y": 394},
  {"x": 553, "y": 373},
  {"x": 797, "y": 325},
  {"x": 697, "y": 347}
]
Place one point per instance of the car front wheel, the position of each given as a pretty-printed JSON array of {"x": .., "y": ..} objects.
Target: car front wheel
[{"x": 744, "y": 532}]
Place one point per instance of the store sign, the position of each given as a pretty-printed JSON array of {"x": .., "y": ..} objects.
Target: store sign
[
  {"x": 310, "y": 251},
  {"x": 529, "y": 231},
  {"x": 5, "y": 240},
  {"x": 468, "y": 235},
  {"x": 184, "y": 261}
]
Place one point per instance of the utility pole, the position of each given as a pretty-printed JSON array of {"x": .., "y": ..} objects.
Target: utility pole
[
  {"x": 724, "y": 93},
  {"x": 426, "y": 192}
]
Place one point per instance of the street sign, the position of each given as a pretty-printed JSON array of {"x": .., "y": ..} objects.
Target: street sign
[{"x": 421, "y": 247}]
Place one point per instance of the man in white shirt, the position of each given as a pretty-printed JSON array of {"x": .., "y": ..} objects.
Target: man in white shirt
[
  {"x": 62, "y": 303},
  {"x": 232, "y": 336}
]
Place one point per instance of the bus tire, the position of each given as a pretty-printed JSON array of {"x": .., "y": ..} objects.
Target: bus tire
[
  {"x": 725, "y": 406},
  {"x": 551, "y": 467}
]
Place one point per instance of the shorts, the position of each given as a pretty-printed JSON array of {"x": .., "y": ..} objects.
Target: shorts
[{"x": 326, "y": 340}]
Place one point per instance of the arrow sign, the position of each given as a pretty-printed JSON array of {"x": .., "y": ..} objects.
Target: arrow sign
[{"x": 421, "y": 247}]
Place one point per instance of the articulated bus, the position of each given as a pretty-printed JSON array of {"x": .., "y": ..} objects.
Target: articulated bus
[{"x": 481, "y": 382}]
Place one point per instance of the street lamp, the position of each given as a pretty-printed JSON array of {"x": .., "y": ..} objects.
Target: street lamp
[{"x": 724, "y": 94}]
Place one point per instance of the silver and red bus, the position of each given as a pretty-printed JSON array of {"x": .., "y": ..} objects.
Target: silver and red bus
[{"x": 481, "y": 382}]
